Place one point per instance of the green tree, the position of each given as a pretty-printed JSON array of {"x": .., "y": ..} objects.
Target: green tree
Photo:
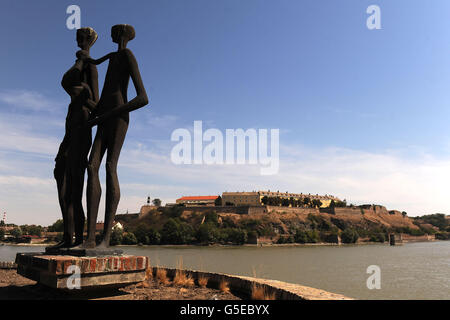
[
  {"x": 316, "y": 203},
  {"x": 174, "y": 232},
  {"x": 116, "y": 237},
  {"x": 312, "y": 236},
  {"x": 206, "y": 233},
  {"x": 377, "y": 237},
  {"x": 129, "y": 238},
  {"x": 175, "y": 211},
  {"x": 218, "y": 201},
  {"x": 2, "y": 234},
  {"x": 58, "y": 226},
  {"x": 300, "y": 236},
  {"x": 212, "y": 217},
  {"x": 349, "y": 236},
  {"x": 34, "y": 230},
  {"x": 237, "y": 236},
  {"x": 306, "y": 201},
  {"x": 141, "y": 233},
  {"x": 157, "y": 202},
  {"x": 170, "y": 233},
  {"x": 154, "y": 237},
  {"x": 16, "y": 233},
  {"x": 265, "y": 200}
]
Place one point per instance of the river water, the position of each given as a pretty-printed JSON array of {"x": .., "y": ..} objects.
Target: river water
[{"x": 409, "y": 271}]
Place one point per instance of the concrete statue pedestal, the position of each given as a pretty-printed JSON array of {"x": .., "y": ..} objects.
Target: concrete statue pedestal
[{"x": 60, "y": 271}]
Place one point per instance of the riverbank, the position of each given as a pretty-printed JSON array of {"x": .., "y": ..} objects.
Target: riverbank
[
  {"x": 15, "y": 287},
  {"x": 409, "y": 240}
]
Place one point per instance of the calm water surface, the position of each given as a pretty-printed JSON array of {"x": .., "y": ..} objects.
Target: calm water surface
[{"x": 411, "y": 271}]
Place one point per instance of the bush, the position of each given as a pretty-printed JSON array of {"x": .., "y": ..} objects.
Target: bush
[
  {"x": 300, "y": 236},
  {"x": 349, "y": 236},
  {"x": 176, "y": 232},
  {"x": 437, "y": 220},
  {"x": 377, "y": 237},
  {"x": 16, "y": 233},
  {"x": 154, "y": 237},
  {"x": 173, "y": 212},
  {"x": 116, "y": 237},
  {"x": 443, "y": 235},
  {"x": 427, "y": 230},
  {"x": 58, "y": 226},
  {"x": 141, "y": 232},
  {"x": 312, "y": 236},
  {"x": 415, "y": 232},
  {"x": 129, "y": 238},
  {"x": 206, "y": 233},
  {"x": 237, "y": 236},
  {"x": 212, "y": 217},
  {"x": 341, "y": 224}
]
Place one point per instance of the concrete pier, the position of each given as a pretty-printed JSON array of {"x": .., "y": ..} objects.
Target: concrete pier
[{"x": 59, "y": 272}]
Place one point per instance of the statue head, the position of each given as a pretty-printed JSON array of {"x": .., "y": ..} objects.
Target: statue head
[
  {"x": 86, "y": 37},
  {"x": 122, "y": 33}
]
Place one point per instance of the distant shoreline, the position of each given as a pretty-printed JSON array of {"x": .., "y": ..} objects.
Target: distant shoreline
[{"x": 320, "y": 244}]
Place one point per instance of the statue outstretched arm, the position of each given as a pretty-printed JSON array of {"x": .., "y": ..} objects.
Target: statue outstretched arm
[
  {"x": 101, "y": 60},
  {"x": 139, "y": 101}
]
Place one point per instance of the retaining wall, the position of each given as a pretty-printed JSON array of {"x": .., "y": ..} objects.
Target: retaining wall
[{"x": 243, "y": 285}]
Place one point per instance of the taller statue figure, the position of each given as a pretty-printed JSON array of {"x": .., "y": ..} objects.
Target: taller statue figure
[{"x": 111, "y": 115}]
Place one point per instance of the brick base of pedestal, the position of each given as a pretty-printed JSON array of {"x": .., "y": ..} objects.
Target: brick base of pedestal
[{"x": 95, "y": 272}]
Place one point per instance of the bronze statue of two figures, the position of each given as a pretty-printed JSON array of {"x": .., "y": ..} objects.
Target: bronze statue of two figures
[{"x": 110, "y": 113}]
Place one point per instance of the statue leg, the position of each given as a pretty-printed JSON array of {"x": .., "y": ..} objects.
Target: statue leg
[
  {"x": 78, "y": 157},
  {"x": 61, "y": 177},
  {"x": 115, "y": 136},
  {"x": 94, "y": 190}
]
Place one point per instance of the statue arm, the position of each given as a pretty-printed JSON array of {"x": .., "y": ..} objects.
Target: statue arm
[
  {"x": 93, "y": 81},
  {"x": 91, "y": 104},
  {"x": 101, "y": 60},
  {"x": 139, "y": 101}
]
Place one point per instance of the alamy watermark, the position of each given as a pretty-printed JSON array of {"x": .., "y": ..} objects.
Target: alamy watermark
[
  {"x": 74, "y": 281},
  {"x": 239, "y": 147},
  {"x": 74, "y": 20},
  {"x": 374, "y": 20},
  {"x": 374, "y": 281}
]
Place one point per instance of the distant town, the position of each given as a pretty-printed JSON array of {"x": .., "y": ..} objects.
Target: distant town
[{"x": 251, "y": 217}]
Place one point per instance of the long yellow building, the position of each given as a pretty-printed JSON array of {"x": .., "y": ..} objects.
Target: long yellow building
[{"x": 254, "y": 198}]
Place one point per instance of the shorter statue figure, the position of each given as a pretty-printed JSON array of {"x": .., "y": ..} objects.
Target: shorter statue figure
[
  {"x": 112, "y": 118},
  {"x": 81, "y": 83}
]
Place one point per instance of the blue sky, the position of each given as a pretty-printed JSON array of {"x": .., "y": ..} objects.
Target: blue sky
[{"x": 363, "y": 114}]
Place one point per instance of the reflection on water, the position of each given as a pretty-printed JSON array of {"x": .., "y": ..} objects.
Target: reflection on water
[{"x": 410, "y": 271}]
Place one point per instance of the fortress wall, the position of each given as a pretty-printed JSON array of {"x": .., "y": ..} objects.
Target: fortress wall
[
  {"x": 410, "y": 238},
  {"x": 221, "y": 209},
  {"x": 350, "y": 211},
  {"x": 306, "y": 211}
]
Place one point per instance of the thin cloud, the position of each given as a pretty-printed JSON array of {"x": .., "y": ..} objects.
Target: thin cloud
[
  {"x": 17, "y": 138},
  {"x": 27, "y": 100}
]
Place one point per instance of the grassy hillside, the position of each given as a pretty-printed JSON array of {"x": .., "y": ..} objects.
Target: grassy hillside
[{"x": 180, "y": 225}]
